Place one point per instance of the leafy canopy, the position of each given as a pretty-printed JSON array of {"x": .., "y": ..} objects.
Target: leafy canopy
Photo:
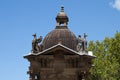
[{"x": 107, "y": 61}]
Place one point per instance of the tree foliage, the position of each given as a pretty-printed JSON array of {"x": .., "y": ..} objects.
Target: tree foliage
[{"x": 107, "y": 61}]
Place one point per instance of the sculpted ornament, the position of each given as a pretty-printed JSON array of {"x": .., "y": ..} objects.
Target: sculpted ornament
[
  {"x": 82, "y": 43},
  {"x": 79, "y": 45},
  {"x": 36, "y": 47}
]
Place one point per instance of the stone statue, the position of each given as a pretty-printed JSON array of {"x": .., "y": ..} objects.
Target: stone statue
[
  {"x": 35, "y": 44},
  {"x": 82, "y": 43},
  {"x": 79, "y": 46}
]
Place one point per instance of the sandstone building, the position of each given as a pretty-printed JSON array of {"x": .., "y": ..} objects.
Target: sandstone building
[{"x": 60, "y": 55}]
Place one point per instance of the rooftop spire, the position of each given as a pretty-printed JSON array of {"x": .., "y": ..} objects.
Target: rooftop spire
[
  {"x": 61, "y": 19},
  {"x": 62, "y": 8}
]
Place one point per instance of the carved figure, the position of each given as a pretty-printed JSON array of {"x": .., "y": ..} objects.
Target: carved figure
[
  {"x": 82, "y": 43},
  {"x": 79, "y": 46},
  {"x": 35, "y": 44}
]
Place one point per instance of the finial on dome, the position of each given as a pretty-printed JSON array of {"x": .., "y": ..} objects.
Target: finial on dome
[
  {"x": 61, "y": 19},
  {"x": 62, "y": 8}
]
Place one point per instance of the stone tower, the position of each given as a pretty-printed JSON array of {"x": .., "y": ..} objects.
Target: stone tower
[{"x": 61, "y": 55}]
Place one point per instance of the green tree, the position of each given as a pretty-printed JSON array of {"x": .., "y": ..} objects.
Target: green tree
[{"x": 107, "y": 61}]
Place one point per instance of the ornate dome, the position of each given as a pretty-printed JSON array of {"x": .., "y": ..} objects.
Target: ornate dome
[{"x": 61, "y": 34}]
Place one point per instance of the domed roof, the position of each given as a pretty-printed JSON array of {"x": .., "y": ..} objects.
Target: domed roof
[
  {"x": 61, "y": 34},
  {"x": 62, "y": 14}
]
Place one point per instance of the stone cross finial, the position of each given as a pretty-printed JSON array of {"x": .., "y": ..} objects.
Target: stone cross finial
[{"x": 62, "y": 8}]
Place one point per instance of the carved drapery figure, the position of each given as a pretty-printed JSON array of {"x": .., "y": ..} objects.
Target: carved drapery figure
[
  {"x": 79, "y": 46},
  {"x": 82, "y": 43},
  {"x": 35, "y": 44}
]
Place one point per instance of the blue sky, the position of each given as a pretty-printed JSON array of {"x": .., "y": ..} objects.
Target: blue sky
[{"x": 19, "y": 19}]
